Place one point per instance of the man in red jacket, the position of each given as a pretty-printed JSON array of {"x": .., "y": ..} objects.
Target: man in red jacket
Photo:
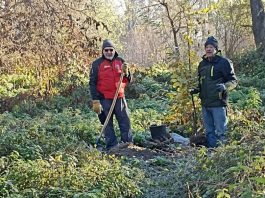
[{"x": 104, "y": 79}]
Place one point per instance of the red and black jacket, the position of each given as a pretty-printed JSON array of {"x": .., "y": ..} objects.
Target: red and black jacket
[{"x": 104, "y": 78}]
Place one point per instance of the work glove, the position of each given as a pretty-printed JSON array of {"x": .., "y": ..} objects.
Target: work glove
[
  {"x": 221, "y": 87},
  {"x": 230, "y": 85},
  {"x": 96, "y": 106},
  {"x": 194, "y": 91},
  {"x": 125, "y": 69}
]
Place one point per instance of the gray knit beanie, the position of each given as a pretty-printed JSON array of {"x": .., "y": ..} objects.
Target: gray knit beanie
[
  {"x": 211, "y": 41},
  {"x": 107, "y": 43}
]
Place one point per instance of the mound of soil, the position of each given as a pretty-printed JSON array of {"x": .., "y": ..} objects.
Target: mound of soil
[{"x": 134, "y": 151}]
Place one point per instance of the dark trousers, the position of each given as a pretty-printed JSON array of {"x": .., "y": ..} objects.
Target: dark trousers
[{"x": 121, "y": 113}]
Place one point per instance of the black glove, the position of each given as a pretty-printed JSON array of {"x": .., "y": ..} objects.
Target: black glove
[
  {"x": 221, "y": 87},
  {"x": 194, "y": 91}
]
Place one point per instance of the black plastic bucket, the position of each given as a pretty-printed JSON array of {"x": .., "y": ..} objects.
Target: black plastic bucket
[{"x": 158, "y": 132}]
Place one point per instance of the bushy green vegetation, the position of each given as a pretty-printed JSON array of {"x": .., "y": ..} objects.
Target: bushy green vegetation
[
  {"x": 14, "y": 84},
  {"x": 47, "y": 143},
  {"x": 80, "y": 174},
  {"x": 43, "y": 135},
  {"x": 251, "y": 64},
  {"x": 246, "y": 98}
]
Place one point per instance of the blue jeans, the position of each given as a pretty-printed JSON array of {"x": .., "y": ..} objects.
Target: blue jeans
[
  {"x": 121, "y": 113},
  {"x": 215, "y": 123}
]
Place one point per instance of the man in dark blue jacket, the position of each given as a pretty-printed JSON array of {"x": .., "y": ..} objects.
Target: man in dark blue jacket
[{"x": 216, "y": 79}]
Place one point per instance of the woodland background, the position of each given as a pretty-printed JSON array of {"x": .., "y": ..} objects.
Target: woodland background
[{"x": 47, "y": 129}]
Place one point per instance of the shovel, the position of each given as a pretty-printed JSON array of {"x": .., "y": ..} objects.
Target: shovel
[{"x": 110, "y": 112}]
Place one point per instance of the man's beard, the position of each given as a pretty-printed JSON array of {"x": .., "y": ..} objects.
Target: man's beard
[{"x": 109, "y": 57}]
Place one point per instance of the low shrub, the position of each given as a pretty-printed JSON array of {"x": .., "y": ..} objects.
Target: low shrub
[{"x": 85, "y": 174}]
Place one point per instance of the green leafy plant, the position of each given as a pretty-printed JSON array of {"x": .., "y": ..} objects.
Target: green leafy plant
[
  {"x": 246, "y": 98},
  {"x": 85, "y": 174}
]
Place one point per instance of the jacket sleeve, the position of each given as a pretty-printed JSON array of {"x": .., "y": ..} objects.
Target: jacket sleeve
[
  {"x": 93, "y": 78},
  {"x": 229, "y": 74}
]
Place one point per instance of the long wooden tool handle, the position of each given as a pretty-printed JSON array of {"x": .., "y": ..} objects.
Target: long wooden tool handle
[{"x": 112, "y": 105}]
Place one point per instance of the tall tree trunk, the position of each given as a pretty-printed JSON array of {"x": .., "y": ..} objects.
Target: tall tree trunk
[
  {"x": 174, "y": 30},
  {"x": 258, "y": 23}
]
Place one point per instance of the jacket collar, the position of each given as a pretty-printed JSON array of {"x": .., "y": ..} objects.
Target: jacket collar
[{"x": 212, "y": 60}]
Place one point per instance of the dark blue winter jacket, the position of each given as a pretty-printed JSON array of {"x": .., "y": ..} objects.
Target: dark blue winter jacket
[{"x": 218, "y": 70}]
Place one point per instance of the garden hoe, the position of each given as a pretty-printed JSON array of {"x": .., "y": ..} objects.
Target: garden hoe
[{"x": 110, "y": 112}]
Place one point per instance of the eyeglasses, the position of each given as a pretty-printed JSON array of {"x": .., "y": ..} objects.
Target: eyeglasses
[{"x": 106, "y": 50}]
